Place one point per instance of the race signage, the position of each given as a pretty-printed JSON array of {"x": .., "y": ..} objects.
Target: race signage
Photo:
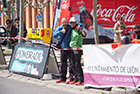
[
  {"x": 2, "y": 58},
  {"x": 29, "y": 60},
  {"x": 105, "y": 66},
  {"x": 52, "y": 63}
]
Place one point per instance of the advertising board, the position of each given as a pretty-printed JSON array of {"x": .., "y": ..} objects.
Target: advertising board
[
  {"x": 107, "y": 14},
  {"x": 29, "y": 59},
  {"x": 106, "y": 66}
]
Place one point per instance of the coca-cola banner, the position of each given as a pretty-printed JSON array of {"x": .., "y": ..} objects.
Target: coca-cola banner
[
  {"x": 128, "y": 9},
  {"x": 56, "y": 21},
  {"x": 108, "y": 66},
  {"x": 107, "y": 13}
]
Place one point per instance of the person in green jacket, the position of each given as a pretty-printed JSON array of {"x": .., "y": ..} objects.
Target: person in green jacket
[{"x": 76, "y": 42}]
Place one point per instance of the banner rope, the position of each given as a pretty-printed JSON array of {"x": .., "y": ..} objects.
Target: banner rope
[
  {"x": 136, "y": 41},
  {"x": 18, "y": 37}
]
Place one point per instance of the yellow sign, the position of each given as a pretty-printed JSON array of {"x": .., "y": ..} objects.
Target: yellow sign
[
  {"x": 40, "y": 33},
  {"x": 6, "y": 17}
]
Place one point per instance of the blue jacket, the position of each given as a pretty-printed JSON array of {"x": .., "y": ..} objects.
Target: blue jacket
[
  {"x": 125, "y": 40},
  {"x": 66, "y": 41}
]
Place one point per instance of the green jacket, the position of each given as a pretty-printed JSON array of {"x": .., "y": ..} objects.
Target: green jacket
[{"x": 76, "y": 39}]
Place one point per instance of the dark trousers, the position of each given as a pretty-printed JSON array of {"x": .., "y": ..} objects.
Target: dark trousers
[
  {"x": 12, "y": 46},
  {"x": 79, "y": 71},
  {"x": 67, "y": 54}
]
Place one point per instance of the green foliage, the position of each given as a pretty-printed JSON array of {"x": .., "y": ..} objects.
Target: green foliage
[{"x": 102, "y": 92}]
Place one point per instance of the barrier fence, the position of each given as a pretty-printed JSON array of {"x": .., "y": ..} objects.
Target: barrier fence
[
  {"x": 115, "y": 45},
  {"x": 18, "y": 37}
]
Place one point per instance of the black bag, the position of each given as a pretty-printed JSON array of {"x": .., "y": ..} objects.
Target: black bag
[{"x": 58, "y": 43}]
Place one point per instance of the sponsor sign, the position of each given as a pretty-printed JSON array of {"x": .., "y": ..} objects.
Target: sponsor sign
[
  {"x": 29, "y": 59},
  {"x": 107, "y": 14},
  {"x": 105, "y": 66}
]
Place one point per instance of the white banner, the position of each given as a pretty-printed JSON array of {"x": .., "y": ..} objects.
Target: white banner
[
  {"x": 107, "y": 67},
  {"x": 124, "y": 60}
]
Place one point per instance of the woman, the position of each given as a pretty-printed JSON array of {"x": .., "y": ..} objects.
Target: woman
[
  {"x": 119, "y": 29},
  {"x": 12, "y": 32}
]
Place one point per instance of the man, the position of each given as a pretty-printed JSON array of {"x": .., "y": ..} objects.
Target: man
[
  {"x": 65, "y": 54},
  {"x": 136, "y": 33},
  {"x": 125, "y": 38},
  {"x": 12, "y": 32},
  {"x": 76, "y": 42},
  {"x": 16, "y": 23}
]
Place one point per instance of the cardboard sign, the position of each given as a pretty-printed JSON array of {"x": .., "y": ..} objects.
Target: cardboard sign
[
  {"x": 29, "y": 59},
  {"x": 2, "y": 59},
  {"x": 52, "y": 63}
]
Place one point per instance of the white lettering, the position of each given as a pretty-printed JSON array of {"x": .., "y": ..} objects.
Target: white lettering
[
  {"x": 125, "y": 11},
  {"x": 30, "y": 55}
]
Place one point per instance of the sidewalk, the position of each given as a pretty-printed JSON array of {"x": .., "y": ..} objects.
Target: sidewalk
[{"x": 52, "y": 84}]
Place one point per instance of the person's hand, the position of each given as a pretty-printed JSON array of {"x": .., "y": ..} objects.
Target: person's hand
[
  {"x": 121, "y": 31},
  {"x": 7, "y": 28},
  {"x": 78, "y": 27},
  {"x": 10, "y": 41},
  {"x": 63, "y": 30},
  {"x": 83, "y": 33},
  {"x": 118, "y": 31}
]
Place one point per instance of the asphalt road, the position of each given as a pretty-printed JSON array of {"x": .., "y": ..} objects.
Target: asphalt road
[{"x": 10, "y": 86}]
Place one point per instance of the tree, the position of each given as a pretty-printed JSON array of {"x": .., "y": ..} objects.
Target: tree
[
  {"x": 13, "y": 7},
  {"x": 96, "y": 37},
  {"x": 40, "y": 4}
]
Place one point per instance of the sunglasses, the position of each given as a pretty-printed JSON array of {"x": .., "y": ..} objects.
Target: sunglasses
[
  {"x": 120, "y": 19},
  {"x": 7, "y": 23},
  {"x": 72, "y": 22},
  {"x": 64, "y": 22}
]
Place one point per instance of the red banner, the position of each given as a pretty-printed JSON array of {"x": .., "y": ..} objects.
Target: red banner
[{"x": 107, "y": 11}]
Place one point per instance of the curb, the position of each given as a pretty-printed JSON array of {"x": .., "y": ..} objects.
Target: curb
[
  {"x": 116, "y": 90},
  {"x": 61, "y": 86},
  {"x": 51, "y": 83}
]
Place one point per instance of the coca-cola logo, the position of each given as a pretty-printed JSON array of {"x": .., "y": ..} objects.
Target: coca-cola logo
[
  {"x": 64, "y": 4},
  {"x": 125, "y": 11},
  {"x": 80, "y": 3}
]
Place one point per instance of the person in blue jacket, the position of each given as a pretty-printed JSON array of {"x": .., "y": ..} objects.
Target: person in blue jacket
[
  {"x": 125, "y": 39},
  {"x": 65, "y": 54}
]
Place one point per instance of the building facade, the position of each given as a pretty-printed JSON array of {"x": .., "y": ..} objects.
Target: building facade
[{"x": 30, "y": 15}]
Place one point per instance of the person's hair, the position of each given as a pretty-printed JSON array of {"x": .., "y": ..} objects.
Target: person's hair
[
  {"x": 121, "y": 25},
  {"x": 17, "y": 19},
  {"x": 8, "y": 20},
  {"x": 65, "y": 19},
  {"x": 137, "y": 26},
  {"x": 120, "y": 18}
]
